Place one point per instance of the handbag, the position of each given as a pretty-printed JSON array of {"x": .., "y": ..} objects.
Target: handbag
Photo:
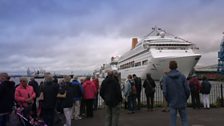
[{"x": 59, "y": 95}]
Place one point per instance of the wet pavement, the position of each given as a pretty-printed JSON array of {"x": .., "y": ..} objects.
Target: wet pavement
[{"x": 198, "y": 117}]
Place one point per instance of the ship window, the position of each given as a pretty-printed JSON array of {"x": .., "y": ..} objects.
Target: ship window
[
  {"x": 137, "y": 64},
  {"x": 144, "y": 62}
]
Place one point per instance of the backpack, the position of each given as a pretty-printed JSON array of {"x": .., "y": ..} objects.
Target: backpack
[
  {"x": 133, "y": 88},
  {"x": 193, "y": 88},
  {"x": 149, "y": 88}
]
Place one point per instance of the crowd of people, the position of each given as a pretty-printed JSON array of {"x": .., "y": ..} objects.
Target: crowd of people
[
  {"x": 176, "y": 90},
  {"x": 77, "y": 99},
  {"x": 72, "y": 98}
]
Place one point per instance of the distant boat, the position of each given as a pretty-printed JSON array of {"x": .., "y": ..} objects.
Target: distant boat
[
  {"x": 102, "y": 71},
  {"x": 154, "y": 52},
  {"x": 35, "y": 73}
]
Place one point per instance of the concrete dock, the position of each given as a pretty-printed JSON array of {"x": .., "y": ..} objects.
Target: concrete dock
[{"x": 197, "y": 117}]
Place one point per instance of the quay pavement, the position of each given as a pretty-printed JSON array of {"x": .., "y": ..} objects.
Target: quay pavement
[{"x": 197, "y": 117}]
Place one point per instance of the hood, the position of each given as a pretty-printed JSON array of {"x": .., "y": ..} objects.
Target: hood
[
  {"x": 75, "y": 82},
  {"x": 88, "y": 82},
  {"x": 174, "y": 74}
]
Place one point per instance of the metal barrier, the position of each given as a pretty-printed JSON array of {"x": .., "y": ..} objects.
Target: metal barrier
[{"x": 216, "y": 95}]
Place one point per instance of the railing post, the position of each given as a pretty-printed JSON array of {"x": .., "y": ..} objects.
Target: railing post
[{"x": 221, "y": 96}]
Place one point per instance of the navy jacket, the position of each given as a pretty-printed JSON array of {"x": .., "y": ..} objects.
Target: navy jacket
[{"x": 176, "y": 89}]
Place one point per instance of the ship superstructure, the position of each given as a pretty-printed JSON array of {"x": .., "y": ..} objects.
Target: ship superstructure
[{"x": 154, "y": 52}]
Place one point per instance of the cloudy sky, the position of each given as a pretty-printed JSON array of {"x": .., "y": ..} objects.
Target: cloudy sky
[{"x": 81, "y": 35}]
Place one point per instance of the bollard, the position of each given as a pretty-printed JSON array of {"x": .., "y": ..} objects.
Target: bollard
[{"x": 221, "y": 96}]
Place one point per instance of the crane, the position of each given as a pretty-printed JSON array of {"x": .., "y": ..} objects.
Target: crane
[{"x": 220, "y": 67}]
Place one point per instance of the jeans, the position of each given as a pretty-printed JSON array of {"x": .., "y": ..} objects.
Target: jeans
[
  {"x": 183, "y": 115},
  {"x": 95, "y": 102},
  {"x": 138, "y": 97},
  {"x": 150, "y": 101},
  {"x": 112, "y": 115},
  {"x": 89, "y": 107},
  {"x": 195, "y": 97},
  {"x": 131, "y": 103},
  {"x": 48, "y": 116}
]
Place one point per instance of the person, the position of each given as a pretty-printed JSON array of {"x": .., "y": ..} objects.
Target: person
[
  {"x": 7, "y": 90},
  {"x": 130, "y": 94},
  {"x": 95, "y": 80},
  {"x": 78, "y": 90},
  {"x": 35, "y": 86},
  {"x": 110, "y": 92},
  {"x": 83, "y": 104},
  {"x": 24, "y": 97},
  {"x": 165, "y": 105},
  {"x": 176, "y": 91},
  {"x": 67, "y": 103},
  {"x": 195, "y": 91},
  {"x": 138, "y": 84},
  {"x": 205, "y": 90},
  {"x": 50, "y": 91},
  {"x": 89, "y": 96},
  {"x": 61, "y": 91},
  {"x": 149, "y": 85}
]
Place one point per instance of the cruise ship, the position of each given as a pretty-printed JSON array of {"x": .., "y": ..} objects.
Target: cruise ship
[{"x": 154, "y": 52}]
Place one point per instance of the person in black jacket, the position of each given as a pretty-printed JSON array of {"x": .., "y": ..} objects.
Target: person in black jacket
[
  {"x": 205, "y": 90},
  {"x": 110, "y": 91},
  {"x": 50, "y": 91},
  {"x": 7, "y": 90},
  {"x": 36, "y": 89},
  {"x": 67, "y": 103},
  {"x": 138, "y": 85},
  {"x": 149, "y": 85}
]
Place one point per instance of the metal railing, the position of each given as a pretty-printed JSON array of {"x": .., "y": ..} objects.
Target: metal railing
[{"x": 215, "y": 96}]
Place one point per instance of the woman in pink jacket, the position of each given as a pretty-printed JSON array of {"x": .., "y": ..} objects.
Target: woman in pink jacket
[
  {"x": 24, "y": 96},
  {"x": 89, "y": 96}
]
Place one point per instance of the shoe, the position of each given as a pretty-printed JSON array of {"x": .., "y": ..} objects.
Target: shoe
[{"x": 78, "y": 118}]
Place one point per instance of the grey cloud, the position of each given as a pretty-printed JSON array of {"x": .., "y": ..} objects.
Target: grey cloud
[{"x": 61, "y": 35}]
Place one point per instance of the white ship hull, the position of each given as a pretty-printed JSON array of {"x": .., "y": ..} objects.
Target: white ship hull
[
  {"x": 158, "y": 66},
  {"x": 153, "y": 55}
]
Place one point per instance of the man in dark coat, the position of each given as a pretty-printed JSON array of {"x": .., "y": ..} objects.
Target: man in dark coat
[
  {"x": 36, "y": 89},
  {"x": 138, "y": 85},
  {"x": 195, "y": 88},
  {"x": 50, "y": 91},
  {"x": 7, "y": 90},
  {"x": 111, "y": 93},
  {"x": 149, "y": 85}
]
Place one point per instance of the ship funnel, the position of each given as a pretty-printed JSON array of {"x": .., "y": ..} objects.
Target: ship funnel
[{"x": 134, "y": 42}]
